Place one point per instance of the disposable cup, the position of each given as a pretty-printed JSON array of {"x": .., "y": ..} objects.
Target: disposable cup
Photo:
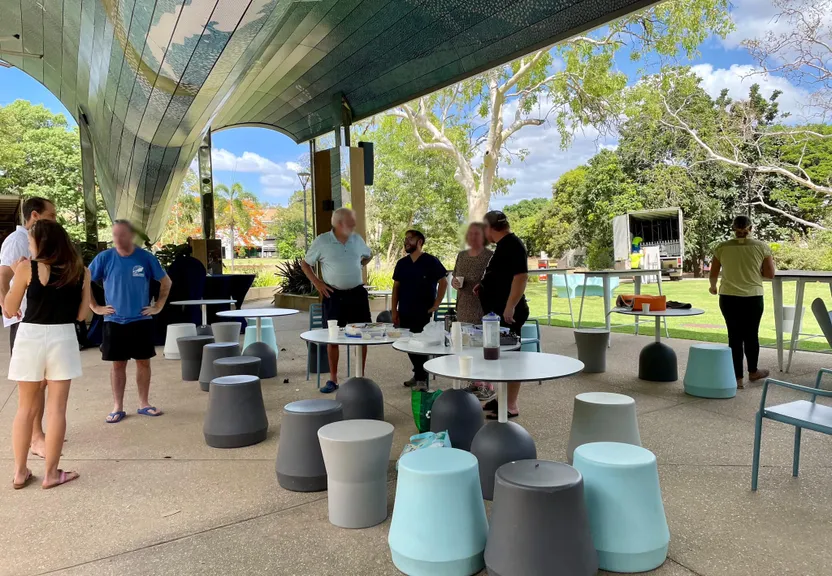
[
  {"x": 645, "y": 308},
  {"x": 332, "y": 326},
  {"x": 465, "y": 364}
]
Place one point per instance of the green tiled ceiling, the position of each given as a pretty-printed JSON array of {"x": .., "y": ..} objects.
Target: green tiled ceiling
[{"x": 152, "y": 76}]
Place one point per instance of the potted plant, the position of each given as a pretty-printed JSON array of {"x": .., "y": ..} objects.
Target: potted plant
[{"x": 295, "y": 290}]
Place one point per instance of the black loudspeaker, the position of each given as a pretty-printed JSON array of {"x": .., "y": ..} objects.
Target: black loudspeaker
[{"x": 368, "y": 162}]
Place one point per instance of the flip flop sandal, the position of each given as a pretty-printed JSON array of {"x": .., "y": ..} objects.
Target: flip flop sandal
[
  {"x": 26, "y": 482},
  {"x": 494, "y": 415},
  {"x": 146, "y": 411},
  {"x": 115, "y": 417},
  {"x": 63, "y": 478}
]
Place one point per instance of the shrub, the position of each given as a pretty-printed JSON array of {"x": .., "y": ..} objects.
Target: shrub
[
  {"x": 810, "y": 252},
  {"x": 292, "y": 280}
]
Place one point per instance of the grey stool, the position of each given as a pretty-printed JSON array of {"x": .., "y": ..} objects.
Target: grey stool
[
  {"x": 236, "y": 414},
  {"x": 592, "y": 349},
  {"x": 190, "y": 353},
  {"x": 237, "y": 366},
  {"x": 300, "y": 465},
  {"x": 356, "y": 454},
  {"x": 226, "y": 331},
  {"x": 210, "y": 353},
  {"x": 602, "y": 417},
  {"x": 268, "y": 359},
  {"x": 204, "y": 331},
  {"x": 539, "y": 522},
  {"x": 361, "y": 399},
  {"x": 460, "y": 413}
]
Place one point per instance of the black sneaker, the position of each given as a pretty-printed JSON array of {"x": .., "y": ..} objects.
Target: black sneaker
[{"x": 410, "y": 383}]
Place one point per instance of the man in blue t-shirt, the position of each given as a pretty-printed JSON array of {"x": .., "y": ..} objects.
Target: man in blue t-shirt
[{"x": 126, "y": 272}]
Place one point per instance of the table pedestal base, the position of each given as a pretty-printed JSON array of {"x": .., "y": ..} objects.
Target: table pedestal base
[
  {"x": 268, "y": 359},
  {"x": 657, "y": 363},
  {"x": 361, "y": 399},
  {"x": 204, "y": 331},
  {"x": 460, "y": 413},
  {"x": 496, "y": 444}
]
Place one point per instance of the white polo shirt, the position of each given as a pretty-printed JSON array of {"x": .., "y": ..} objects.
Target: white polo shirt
[{"x": 15, "y": 247}]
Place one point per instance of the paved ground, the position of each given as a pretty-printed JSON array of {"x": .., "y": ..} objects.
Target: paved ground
[{"x": 154, "y": 499}]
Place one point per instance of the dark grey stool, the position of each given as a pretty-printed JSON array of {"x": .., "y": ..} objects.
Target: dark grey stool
[
  {"x": 236, "y": 414},
  {"x": 592, "y": 349},
  {"x": 190, "y": 354},
  {"x": 237, "y": 366},
  {"x": 300, "y": 464},
  {"x": 460, "y": 413},
  {"x": 539, "y": 523},
  {"x": 268, "y": 359},
  {"x": 361, "y": 399},
  {"x": 204, "y": 331},
  {"x": 210, "y": 353},
  {"x": 385, "y": 316},
  {"x": 498, "y": 443}
]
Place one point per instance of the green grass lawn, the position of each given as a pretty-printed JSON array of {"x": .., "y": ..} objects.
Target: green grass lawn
[{"x": 709, "y": 327}]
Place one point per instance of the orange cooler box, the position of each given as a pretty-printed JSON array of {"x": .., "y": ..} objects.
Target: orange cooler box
[{"x": 657, "y": 303}]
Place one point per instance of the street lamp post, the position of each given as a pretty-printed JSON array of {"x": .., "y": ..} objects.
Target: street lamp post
[{"x": 304, "y": 181}]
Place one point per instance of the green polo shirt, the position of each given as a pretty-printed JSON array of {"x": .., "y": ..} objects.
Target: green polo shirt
[
  {"x": 742, "y": 261},
  {"x": 340, "y": 262}
]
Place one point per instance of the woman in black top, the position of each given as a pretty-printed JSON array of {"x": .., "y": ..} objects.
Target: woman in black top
[{"x": 57, "y": 290}]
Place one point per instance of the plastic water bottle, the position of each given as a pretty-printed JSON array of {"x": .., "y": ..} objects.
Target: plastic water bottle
[{"x": 491, "y": 336}]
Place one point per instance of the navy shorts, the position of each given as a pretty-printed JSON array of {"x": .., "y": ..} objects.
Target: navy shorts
[
  {"x": 124, "y": 342},
  {"x": 348, "y": 306}
]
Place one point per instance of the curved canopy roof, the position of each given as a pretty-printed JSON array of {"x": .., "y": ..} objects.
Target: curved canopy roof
[{"x": 151, "y": 76}]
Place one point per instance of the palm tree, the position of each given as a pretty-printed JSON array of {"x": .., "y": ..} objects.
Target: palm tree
[{"x": 231, "y": 212}]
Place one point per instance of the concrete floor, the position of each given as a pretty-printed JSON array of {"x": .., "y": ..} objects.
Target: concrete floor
[{"x": 154, "y": 499}]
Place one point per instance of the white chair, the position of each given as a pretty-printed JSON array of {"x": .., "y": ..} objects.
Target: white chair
[{"x": 175, "y": 331}]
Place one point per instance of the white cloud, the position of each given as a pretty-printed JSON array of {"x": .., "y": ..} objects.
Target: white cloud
[
  {"x": 753, "y": 19},
  {"x": 278, "y": 180},
  {"x": 739, "y": 78}
]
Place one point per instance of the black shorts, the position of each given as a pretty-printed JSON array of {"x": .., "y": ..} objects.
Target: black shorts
[
  {"x": 348, "y": 306},
  {"x": 12, "y": 335},
  {"x": 414, "y": 322},
  {"x": 122, "y": 342}
]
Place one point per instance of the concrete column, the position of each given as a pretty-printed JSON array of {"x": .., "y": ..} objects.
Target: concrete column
[{"x": 206, "y": 188}]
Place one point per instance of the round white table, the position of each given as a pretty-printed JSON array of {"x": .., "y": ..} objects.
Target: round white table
[
  {"x": 321, "y": 336},
  {"x": 204, "y": 304},
  {"x": 407, "y": 345},
  {"x": 502, "y": 441},
  {"x": 657, "y": 361},
  {"x": 268, "y": 358}
]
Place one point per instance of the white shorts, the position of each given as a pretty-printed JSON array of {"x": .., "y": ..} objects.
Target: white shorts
[{"x": 45, "y": 351}]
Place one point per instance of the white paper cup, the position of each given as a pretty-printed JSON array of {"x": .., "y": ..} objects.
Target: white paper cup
[
  {"x": 332, "y": 326},
  {"x": 461, "y": 280},
  {"x": 645, "y": 308},
  {"x": 465, "y": 364}
]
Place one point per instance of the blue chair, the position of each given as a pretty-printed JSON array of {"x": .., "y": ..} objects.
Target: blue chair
[
  {"x": 530, "y": 336},
  {"x": 267, "y": 325},
  {"x": 624, "y": 501},
  {"x": 317, "y": 359},
  {"x": 799, "y": 413},
  {"x": 439, "y": 527},
  {"x": 710, "y": 372}
]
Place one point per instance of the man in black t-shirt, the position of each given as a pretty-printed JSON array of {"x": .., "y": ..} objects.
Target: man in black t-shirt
[
  {"x": 502, "y": 289},
  {"x": 419, "y": 284}
]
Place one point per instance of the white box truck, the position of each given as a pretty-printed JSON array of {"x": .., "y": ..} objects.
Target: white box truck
[{"x": 660, "y": 229}]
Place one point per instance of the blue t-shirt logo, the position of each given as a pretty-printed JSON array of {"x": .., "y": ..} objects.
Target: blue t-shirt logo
[{"x": 138, "y": 271}]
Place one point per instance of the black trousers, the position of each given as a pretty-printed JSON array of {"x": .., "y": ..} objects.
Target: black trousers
[
  {"x": 416, "y": 323},
  {"x": 742, "y": 316}
]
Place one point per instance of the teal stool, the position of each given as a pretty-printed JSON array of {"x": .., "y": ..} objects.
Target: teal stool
[
  {"x": 267, "y": 330},
  {"x": 439, "y": 527},
  {"x": 626, "y": 515},
  {"x": 710, "y": 372}
]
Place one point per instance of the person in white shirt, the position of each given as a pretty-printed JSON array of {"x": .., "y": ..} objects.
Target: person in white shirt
[{"x": 15, "y": 247}]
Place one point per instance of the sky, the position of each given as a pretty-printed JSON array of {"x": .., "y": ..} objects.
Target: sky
[{"x": 266, "y": 162}]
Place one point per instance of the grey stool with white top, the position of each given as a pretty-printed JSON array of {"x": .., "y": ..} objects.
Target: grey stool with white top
[
  {"x": 236, "y": 415},
  {"x": 300, "y": 465},
  {"x": 226, "y": 331},
  {"x": 213, "y": 352},
  {"x": 237, "y": 366},
  {"x": 356, "y": 455},
  {"x": 592, "y": 349},
  {"x": 603, "y": 417},
  {"x": 190, "y": 354}
]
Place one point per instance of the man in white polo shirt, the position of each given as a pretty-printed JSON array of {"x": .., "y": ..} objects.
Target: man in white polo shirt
[
  {"x": 341, "y": 253},
  {"x": 15, "y": 247}
]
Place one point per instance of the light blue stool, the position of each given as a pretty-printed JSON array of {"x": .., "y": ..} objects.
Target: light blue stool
[
  {"x": 267, "y": 330},
  {"x": 626, "y": 515},
  {"x": 710, "y": 372},
  {"x": 439, "y": 527}
]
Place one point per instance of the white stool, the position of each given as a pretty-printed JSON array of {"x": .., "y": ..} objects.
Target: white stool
[
  {"x": 176, "y": 331},
  {"x": 356, "y": 455},
  {"x": 226, "y": 331},
  {"x": 603, "y": 417}
]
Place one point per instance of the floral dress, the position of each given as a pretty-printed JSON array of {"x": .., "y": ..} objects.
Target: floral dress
[{"x": 471, "y": 268}]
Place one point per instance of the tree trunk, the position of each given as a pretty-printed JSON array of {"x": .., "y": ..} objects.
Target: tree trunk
[{"x": 389, "y": 257}]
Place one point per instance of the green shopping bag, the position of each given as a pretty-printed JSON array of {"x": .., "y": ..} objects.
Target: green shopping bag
[{"x": 422, "y": 401}]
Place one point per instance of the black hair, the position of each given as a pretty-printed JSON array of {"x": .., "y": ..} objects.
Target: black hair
[
  {"x": 496, "y": 220},
  {"x": 416, "y": 233},
  {"x": 741, "y": 222},
  {"x": 34, "y": 204}
]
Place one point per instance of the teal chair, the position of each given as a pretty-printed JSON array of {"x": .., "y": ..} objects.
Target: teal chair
[
  {"x": 710, "y": 372},
  {"x": 624, "y": 501},
  {"x": 439, "y": 527},
  {"x": 799, "y": 413},
  {"x": 530, "y": 336}
]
